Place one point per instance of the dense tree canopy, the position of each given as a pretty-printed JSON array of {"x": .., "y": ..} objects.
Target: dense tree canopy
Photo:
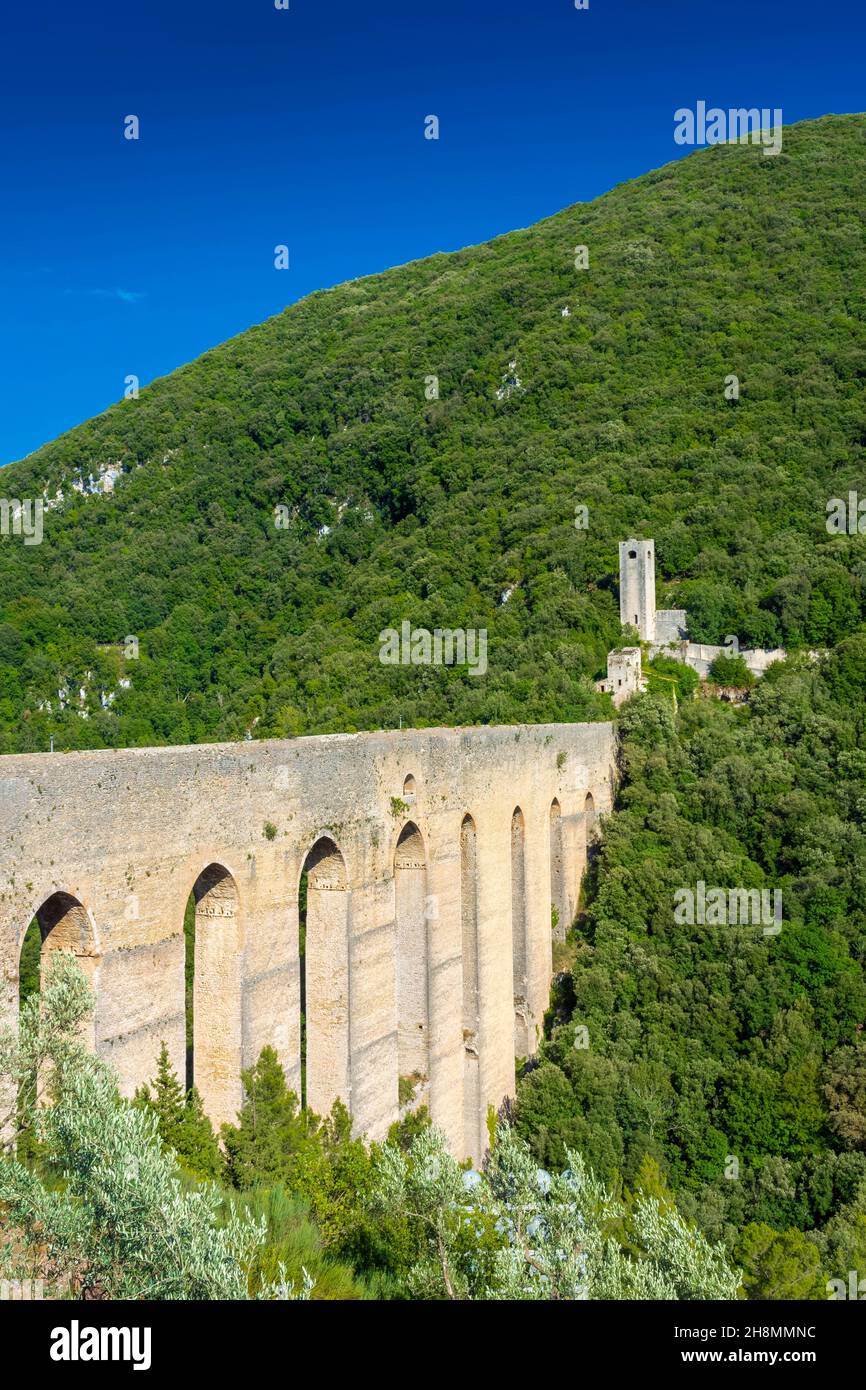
[
  {"x": 417, "y": 446},
  {"x": 404, "y": 499},
  {"x": 731, "y": 1054}
]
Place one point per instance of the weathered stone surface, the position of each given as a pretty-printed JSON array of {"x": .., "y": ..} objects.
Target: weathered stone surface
[
  {"x": 637, "y": 586},
  {"x": 666, "y": 629},
  {"x": 125, "y": 836}
]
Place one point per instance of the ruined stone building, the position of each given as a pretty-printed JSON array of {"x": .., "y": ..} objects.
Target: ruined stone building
[
  {"x": 664, "y": 629},
  {"x": 623, "y": 675}
]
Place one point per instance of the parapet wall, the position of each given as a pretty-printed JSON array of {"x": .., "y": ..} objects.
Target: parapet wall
[{"x": 700, "y": 656}]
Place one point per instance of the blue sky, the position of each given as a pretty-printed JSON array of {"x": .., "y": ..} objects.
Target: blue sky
[{"x": 305, "y": 127}]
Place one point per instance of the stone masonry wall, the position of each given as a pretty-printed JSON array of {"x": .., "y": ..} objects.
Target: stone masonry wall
[{"x": 123, "y": 836}]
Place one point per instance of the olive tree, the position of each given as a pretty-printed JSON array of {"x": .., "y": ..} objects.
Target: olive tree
[
  {"x": 553, "y": 1234},
  {"x": 104, "y": 1211}
]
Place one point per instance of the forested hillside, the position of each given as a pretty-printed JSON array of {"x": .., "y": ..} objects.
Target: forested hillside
[
  {"x": 426, "y": 438},
  {"x": 731, "y": 1056},
  {"x": 402, "y": 506}
]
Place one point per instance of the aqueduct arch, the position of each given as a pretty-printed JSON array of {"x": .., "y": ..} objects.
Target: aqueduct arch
[
  {"x": 558, "y": 895},
  {"x": 520, "y": 940},
  {"x": 589, "y": 819},
  {"x": 64, "y": 924},
  {"x": 472, "y": 1117},
  {"x": 217, "y": 1049},
  {"x": 325, "y": 978},
  {"x": 412, "y": 959},
  {"x": 429, "y": 857}
]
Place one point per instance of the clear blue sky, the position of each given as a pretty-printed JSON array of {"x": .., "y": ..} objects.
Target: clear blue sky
[{"x": 261, "y": 126}]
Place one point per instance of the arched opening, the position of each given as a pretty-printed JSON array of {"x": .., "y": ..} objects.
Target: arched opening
[
  {"x": 188, "y": 982},
  {"x": 590, "y": 830},
  {"x": 303, "y": 889},
  {"x": 589, "y": 819},
  {"x": 212, "y": 930},
  {"x": 62, "y": 923},
  {"x": 324, "y": 979},
  {"x": 413, "y": 1008},
  {"x": 472, "y": 1141},
  {"x": 520, "y": 936},
  {"x": 409, "y": 790},
  {"x": 558, "y": 908},
  {"x": 30, "y": 964}
]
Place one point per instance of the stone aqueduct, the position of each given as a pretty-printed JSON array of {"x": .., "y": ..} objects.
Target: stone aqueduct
[{"x": 432, "y": 858}]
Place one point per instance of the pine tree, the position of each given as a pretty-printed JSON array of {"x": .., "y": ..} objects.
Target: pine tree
[
  {"x": 167, "y": 1102},
  {"x": 197, "y": 1146},
  {"x": 183, "y": 1125},
  {"x": 650, "y": 1184},
  {"x": 780, "y": 1264},
  {"x": 271, "y": 1128}
]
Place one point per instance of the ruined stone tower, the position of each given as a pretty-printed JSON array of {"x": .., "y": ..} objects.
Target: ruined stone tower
[
  {"x": 623, "y": 675},
  {"x": 666, "y": 629},
  {"x": 637, "y": 587}
]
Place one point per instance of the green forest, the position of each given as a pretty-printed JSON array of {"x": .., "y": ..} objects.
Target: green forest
[
  {"x": 417, "y": 446},
  {"x": 292, "y": 1206},
  {"x": 723, "y": 1068},
  {"x": 732, "y": 1058},
  {"x": 398, "y": 507}
]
